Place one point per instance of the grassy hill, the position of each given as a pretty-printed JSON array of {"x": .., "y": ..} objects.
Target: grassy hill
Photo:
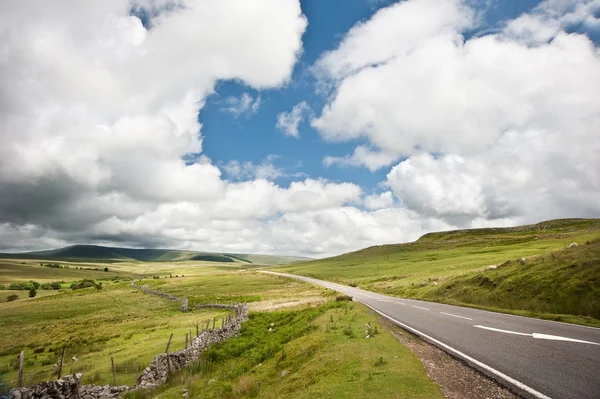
[
  {"x": 114, "y": 254},
  {"x": 454, "y": 267}
]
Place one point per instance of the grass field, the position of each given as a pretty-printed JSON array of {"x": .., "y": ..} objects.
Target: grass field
[
  {"x": 313, "y": 353},
  {"x": 450, "y": 266},
  {"x": 119, "y": 321}
]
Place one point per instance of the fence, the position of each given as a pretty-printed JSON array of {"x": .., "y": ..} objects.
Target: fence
[{"x": 26, "y": 370}]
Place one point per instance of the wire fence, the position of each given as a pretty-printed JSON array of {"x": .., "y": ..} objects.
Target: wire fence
[{"x": 32, "y": 368}]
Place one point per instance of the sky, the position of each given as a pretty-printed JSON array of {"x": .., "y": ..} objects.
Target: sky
[{"x": 311, "y": 127}]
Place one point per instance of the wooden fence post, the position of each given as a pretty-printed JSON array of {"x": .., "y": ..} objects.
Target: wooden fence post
[
  {"x": 62, "y": 361},
  {"x": 167, "y": 352},
  {"x": 21, "y": 362},
  {"x": 214, "y": 322},
  {"x": 197, "y": 331},
  {"x": 186, "y": 340},
  {"x": 112, "y": 366}
]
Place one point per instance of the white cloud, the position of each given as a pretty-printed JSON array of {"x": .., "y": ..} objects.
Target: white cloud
[
  {"x": 288, "y": 121},
  {"x": 513, "y": 118},
  {"x": 379, "y": 201},
  {"x": 362, "y": 156},
  {"x": 550, "y": 17},
  {"x": 243, "y": 105},
  {"x": 248, "y": 170}
]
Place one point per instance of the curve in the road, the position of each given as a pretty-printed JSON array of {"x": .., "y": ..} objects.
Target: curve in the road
[{"x": 536, "y": 358}]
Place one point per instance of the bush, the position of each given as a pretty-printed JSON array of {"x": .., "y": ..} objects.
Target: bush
[
  {"x": 32, "y": 293},
  {"x": 12, "y": 297},
  {"x": 2, "y": 287},
  {"x": 41, "y": 349},
  {"x": 341, "y": 298},
  {"x": 86, "y": 283},
  {"x": 35, "y": 284},
  {"x": 53, "y": 265},
  {"x": 106, "y": 269},
  {"x": 21, "y": 286},
  {"x": 46, "y": 286}
]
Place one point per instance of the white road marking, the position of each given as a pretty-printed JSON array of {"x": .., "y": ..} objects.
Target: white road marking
[
  {"x": 453, "y": 315},
  {"x": 541, "y": 336},
  {"x": 467, "y": 358},
  {"x": 418, "y": 307},
  {"x": 401, "y": 303},
  {"x": 503, "y": 331}
]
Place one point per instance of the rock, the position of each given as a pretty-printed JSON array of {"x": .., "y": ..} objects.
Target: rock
[
  {"x": 522, "y": 261},
  {"x": 492, "y": 267},
  {"x": 74, "y": 359},
  {"x": 284, "y": 373},
  {"x": 573, "y": 245},
  {"x": 211, "y": 381}
]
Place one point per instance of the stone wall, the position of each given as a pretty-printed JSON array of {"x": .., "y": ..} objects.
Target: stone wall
[
  {"x": 157, "y": 372},
  {"x": 148, "y": 290},
  {"x": 151, "y": 377}
]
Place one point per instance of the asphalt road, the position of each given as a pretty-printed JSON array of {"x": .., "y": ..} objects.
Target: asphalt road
[{"x": 535, "y": 358}]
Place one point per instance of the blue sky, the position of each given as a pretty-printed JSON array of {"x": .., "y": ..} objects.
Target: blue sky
[
  {"x": 294, "y": 127},
  {"x": 253, "y": 137}
]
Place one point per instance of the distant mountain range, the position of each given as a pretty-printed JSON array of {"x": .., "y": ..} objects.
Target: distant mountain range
[{"x": 114, "y": 254}]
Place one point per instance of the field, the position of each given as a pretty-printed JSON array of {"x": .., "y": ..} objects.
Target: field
[
  {"x": 323, "y": 341},
  {"x": 554, "y": 281}
]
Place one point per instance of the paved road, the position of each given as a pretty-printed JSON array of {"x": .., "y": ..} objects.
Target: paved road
[{"x": 535, "y": 358}]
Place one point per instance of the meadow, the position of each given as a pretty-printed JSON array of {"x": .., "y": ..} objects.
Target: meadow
[{"x": 554, "y": 281}]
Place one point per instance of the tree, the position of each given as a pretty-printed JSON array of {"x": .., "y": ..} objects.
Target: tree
[
  {"x": 35, "y": 284},
  {"x": 11, "y": 298},
  {"x": 106, "y": 269},
  {"x": 32, "y": 293}
]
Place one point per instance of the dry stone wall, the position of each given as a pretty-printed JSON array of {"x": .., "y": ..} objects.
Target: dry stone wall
[
  {"x": 148, "y": 290},
  {"x": 151, "y": 377},
  {"x": 157, "y": 372}
]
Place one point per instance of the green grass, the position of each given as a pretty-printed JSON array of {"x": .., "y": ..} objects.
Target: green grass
[
  {"x": 120, "y": 322},
  {"x": 305, "y": 354},
  {"x": 424, "y": 269}
]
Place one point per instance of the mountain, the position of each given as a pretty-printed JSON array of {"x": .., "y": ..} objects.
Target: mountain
[{"x": 116, "y": 254}]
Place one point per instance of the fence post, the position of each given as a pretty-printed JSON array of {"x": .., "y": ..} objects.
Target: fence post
[
  {"x": 62, "y": 361},
  {"x": 197, "y": 331},
  {"x": 21, "y": 362},
  {"x": 112, "y": 366},
  {"x": 137, "y": 371},
  {"x": 186, "y": 340},
  {"x": 167, "y": 352},
  {"x": 214, "y": 322}
]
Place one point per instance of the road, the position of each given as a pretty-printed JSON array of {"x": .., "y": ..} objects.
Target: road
[{"x": 535, "y": 358}]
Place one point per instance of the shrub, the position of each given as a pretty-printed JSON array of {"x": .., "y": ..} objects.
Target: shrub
[
  {"x": 46, "y": 286},
  {"x": 2, "y": 287},
  {"x": 12, "y": 297},
  {"x": 32, "y": 293},
  {"x": 40, "y": 349},
  {"x": 21, "y": 286},
  {"x": 341, "y": 298},
  {"x": 86, "y": 283},
  {"x": 53, "y": 265},
  {"x": 106, "y": 269}
]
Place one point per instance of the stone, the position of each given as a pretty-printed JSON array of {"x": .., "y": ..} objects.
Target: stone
[{"x": 284, "y": 373}]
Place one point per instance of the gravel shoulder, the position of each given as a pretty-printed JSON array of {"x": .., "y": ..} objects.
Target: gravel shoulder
[{"x": 455, "y": 378}]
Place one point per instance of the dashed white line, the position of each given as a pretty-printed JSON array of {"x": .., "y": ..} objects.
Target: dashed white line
[
  {"x": 418, "y": 307},
  {"x": 454, "y": 315},
  {"x": 401, "y": 303}
]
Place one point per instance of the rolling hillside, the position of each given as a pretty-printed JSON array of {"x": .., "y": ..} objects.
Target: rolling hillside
[
  {"x": 523, "y": 269},
  {"x": 114, "y": 254}
]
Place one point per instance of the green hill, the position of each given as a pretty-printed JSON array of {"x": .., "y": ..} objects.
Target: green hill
[
  {"x": 454, "y": 267},
  {"x": 114, "y": 254}
]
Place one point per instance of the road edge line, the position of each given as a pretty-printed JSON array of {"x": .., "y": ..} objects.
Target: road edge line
[{"x": 510, "y": 382}]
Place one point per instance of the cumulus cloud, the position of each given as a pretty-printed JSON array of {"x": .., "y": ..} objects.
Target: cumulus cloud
[
  {"x": 288, "y": 121},
  {"x": 248, "y": 170},
  {"x": 379, "y": 201},
  {"x": 511, "y": 117},
  {"x": 243, "y": 105},
  {"x": 362, "y": 156}
]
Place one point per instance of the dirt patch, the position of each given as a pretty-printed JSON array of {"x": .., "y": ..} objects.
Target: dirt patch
[
  {"x": 274, "y": 304},
  {"x": 456, "y": 379}
]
